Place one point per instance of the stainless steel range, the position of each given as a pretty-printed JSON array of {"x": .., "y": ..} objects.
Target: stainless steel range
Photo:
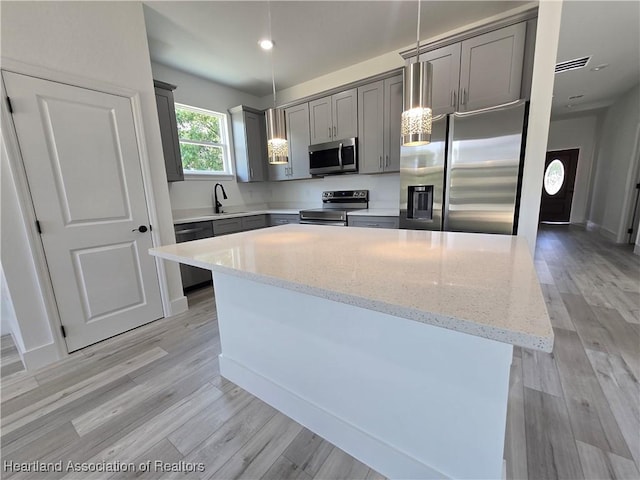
[{"x": 335, "y": 206}]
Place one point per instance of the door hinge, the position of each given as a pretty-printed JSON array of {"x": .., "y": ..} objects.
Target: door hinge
[
  {"x": 64, "y": 332},
  {"x": 630, "y": 231},
  {"x": 637, "y": 186},
  {"x": 150, "y": 228},
  {"x": 9, "y": 105},
  {"x": 38, "y": 227}
]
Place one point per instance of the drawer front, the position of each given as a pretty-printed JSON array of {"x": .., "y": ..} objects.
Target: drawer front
[
  {"x": 186, "y": 232},
  {"x": 283, "y": 219},
  {"x": 226, "y": 226},
  {"x": 254, "y": 222},
  {"x": 373, "y": 222}
]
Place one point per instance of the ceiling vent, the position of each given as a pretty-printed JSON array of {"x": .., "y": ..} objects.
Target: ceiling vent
[{"x": 572, "y": 64}]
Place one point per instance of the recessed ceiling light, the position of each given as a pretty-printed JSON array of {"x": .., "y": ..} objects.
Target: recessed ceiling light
[
  {"x": 575, "y": 97},
  {"x": 599, "y": 67},
  {"x": 265, "y": 44}
]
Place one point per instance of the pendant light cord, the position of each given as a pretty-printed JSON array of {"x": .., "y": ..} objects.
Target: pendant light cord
[
  {"x": 273, "y": 74},
  {"x": 418, "y": 35}
]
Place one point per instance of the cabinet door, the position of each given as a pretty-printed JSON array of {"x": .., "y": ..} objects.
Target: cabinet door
[
  {"x": 299, "y": 139},
  {"x": 373, "y": 221},
  {"x": 254, "y": 127},
  {"x": 393, "y": 104},
  {"x": 254, "y": 222},
  {"x": 169, "y": 134},
  {"x": 491, "y": 68},
  {"x": 446, "y": 77},
  {"x": 344, "y": 106},
  {"x": 226, "y": 226},
  {"x": 320, "y": 120},
  {"x": 371, "y": 127}
]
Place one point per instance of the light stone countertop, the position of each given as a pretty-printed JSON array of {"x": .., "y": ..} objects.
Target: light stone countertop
[
  {"x": 203, "y": 215},
  {"x": 479, "y": 284}
]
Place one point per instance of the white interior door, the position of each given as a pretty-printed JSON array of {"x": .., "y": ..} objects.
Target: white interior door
[{"x": 82, "y": 162}]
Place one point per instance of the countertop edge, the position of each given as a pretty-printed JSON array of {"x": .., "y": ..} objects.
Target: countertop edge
[{"x": 520, "y": 339}]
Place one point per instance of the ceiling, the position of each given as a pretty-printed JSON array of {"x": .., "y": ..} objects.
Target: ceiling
[
  {"x": 609, "y": 32},
  {"x": 218, "y": 40}
]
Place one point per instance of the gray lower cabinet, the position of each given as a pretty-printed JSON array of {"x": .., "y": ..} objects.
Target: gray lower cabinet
[
  {"x": 254, "y": 222},
  {"x": 283, "y": 219},
  {"x": 169, "y": 130},
  {"x": 372, "y": 221},
  {"x": 298, "y": 137},
  {"x": 250, "y": 144},
  {"x": 186, "y": 232},
  {"x": 225, "y": 226},
  {"x": 379, "y": 114}
]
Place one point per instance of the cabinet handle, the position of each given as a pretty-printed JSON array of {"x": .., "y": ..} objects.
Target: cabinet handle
[
  {"x": 463, "y": 97},
  {"x": 455, "y": 98},
  {"x": 334, "y": 131},
  {"x": 387, "y": 160},
  {"x": 250, "y": 172},
  {"x": 329, "y": 132},
  {"x": 380, "y": 163},
  {"x": 451, "y": 98},
  {"x": 373, "y": 224}
]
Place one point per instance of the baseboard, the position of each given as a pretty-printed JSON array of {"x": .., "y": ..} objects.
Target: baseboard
[
  {"x": 41, "y": 356},
  {"x": 636, "y": 249},
  {"x": 179, "y": 305},
  {"x": 344, "y": 435},
  {"x": 605, "y": 232}
]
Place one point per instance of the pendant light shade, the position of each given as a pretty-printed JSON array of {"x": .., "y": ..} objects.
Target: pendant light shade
[
  {"x": 415, "y": 127},
  {"x": 416, "y": 117},
  {"x": 277, "y": 147}
]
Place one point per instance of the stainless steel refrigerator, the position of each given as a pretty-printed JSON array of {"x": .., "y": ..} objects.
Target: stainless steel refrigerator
[{"x": 468, "y": 179}]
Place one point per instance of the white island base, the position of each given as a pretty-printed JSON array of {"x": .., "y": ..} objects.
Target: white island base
[{"x": 409, "y": 399}]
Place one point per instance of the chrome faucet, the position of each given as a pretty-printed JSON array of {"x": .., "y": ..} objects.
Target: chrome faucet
[{"x": 217, "y": 204}]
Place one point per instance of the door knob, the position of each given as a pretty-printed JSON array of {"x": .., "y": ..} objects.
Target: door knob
[{"x": 141, "y": 229}]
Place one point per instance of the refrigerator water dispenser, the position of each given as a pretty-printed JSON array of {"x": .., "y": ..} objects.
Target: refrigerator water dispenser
[{"x": 420, "y": 202}]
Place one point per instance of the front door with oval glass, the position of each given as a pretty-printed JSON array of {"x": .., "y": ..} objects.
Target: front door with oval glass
[{"x": 557, "y": 186}]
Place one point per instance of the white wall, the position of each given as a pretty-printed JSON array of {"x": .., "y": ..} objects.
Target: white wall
[
  {"x": 577, "y": 132},
  {"x": 616, "y": 166},
  {"x": 102, "y": 41},
  {"x": 384, "y": 190},
  {"x": 8, "y": 320},
  {"x": 199, "y": 92}
]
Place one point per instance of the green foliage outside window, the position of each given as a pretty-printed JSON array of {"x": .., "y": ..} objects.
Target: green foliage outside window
[{"x": 200, "y": 140}]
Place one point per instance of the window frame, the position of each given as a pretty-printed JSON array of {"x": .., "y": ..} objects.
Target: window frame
[{"x": 225, "y": 137}]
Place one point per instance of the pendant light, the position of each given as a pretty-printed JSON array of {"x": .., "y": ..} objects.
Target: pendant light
[
  {"x": 416, "y": 117},
  {"x": 277, "y": 145}
]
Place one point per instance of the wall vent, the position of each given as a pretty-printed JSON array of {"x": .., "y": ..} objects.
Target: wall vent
[{"x": 572, "y": 64}]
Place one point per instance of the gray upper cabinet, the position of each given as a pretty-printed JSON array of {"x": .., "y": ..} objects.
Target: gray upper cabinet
[
  {"x": 334, "y": 117},
  {"x": 371, "y": 127},
  {"x": 298, "y": 137},
  {"x": 446, "y": 77},
  {"x": 491, "y": 68},
  {"x": 393, "y": 106},
  {"x": 480, "y": 72},
  {"x": 250, "y": 144},
  {"x": 169, "y": 131},
  {"x": 379, "y": 113}
]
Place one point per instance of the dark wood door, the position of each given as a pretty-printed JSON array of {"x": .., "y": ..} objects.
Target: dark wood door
[{"x": 557, "y": 186}]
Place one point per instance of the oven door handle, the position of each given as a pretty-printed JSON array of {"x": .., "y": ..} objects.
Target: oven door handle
[
  {"x": 340, "y": 155},
  {"x": 315, "y": 222}
]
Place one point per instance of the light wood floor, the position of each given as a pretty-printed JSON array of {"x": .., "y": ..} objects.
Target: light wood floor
[{"x": 156, "y": 394}]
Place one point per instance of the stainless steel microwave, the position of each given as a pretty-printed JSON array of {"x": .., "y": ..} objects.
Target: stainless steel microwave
[{"x": 334, "y": 157}]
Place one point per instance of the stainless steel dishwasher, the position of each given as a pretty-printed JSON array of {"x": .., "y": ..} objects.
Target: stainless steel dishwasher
[{"x": 186, "y": 232}]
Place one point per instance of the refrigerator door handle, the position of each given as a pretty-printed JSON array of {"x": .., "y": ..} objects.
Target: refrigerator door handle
[{"x": 503, "y": 106}]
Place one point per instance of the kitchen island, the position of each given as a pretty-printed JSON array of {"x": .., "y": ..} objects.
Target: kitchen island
[{"x": 395, "y": 345}]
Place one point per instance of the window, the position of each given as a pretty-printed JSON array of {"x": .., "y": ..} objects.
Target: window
[
  {"x": 204, "y": 142},
  {"x": 554, "y": 177}
]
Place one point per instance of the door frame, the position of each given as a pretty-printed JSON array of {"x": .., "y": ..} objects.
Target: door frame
[
  {"x": 25, "y": 202},
  {"x": 575, "y": 178},
  {"x": 629, "y": 189}
]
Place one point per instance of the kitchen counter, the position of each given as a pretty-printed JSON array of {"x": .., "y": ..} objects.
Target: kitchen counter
[
  {"x": 483, "y": 285},
  {"x": 205, "y": 214},
  {"x": 394, "y": 346}
]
